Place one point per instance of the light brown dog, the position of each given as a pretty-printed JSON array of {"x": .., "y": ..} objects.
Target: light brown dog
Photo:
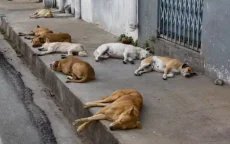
[
  {"x": 52, "y": 37},
  {"x": 122, "y": 107},
  {"x": 42, "y": 13},
  {"x": 78, "y": 70},
  {"x": 166, "y": 65},
  {"x": 38, "y": 30}
]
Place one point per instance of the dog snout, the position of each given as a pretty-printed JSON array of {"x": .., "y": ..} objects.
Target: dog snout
[
  {"x": 112, "y": 128},
  {"x": 34, "y": 46}
]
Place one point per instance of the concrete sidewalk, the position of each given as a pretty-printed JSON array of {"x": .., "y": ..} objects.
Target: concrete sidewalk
[{"x": 176, "y": 111}]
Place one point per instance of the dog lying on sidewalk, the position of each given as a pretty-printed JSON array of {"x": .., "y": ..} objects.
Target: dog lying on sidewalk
[
  {"x": 53, "y": 37},
  {"x": 122, "y": 107},
  {"x": 42, "y": 13},
  {"x": 37, "y": 31},
  {"x": 78, "y": 71},
  {"x": 62, "y": 47},
  {"x": 119, "y": 50},
  {"x": 165, "y": 65}
]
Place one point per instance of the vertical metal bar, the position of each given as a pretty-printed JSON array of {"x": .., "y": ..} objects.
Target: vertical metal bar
[
  {"x": 198, "y": 25},
  {"x": 175, "y": 20},
  {"x": 163, "y": 19},
  {"x": 185, "y": 20},
  {"x": 189, "y": 21},
  {"x": 180, "y": 24},
  {"x": 159, "y": 16},
  {"x": 194, "y": 25},
  {"x": 167, "y": 18},
  {"x": 171, "y": 20}
]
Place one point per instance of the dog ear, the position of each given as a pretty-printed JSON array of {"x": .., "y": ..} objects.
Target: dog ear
[
  {"x": 56, "y": 63},
  {"x": 38, "y": 26},
  {"x": 139, "y": 125},
  {"x": 47, "y": 40},
  {"x": 131, "y": 111},
  {"x": 185, "y": 65}
]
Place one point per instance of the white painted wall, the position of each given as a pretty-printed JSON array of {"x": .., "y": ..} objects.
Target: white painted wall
[
  {"x": 113, "y": 16},
  {"x": 86, "y": 10}
]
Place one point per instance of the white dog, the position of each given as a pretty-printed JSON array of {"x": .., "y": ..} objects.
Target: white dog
[
  {"x": 121, "y": 51},
  {"x": 62, "y": 47}
]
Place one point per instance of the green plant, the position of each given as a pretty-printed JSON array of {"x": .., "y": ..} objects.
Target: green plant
[
  {"x": 135, "y": 43},
  {"x": 146, "y": 44},
  {"x": 121, "y": 36}
]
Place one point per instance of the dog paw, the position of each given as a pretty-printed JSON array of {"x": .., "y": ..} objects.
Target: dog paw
[
  {"x": 86, "y": 106},
  {"x": 137, "y": 74},
  {"x": 96, "y": 60},
  {"x": 77, "y": 122},
  {"x": 124, "y": 62},
  {"x": 80, "y": 129},
  {"x": 69, "y": 77},
  {"x": 164, "y": 78},
  {"x": 67, "y": 81},
  {"x": 132, "y": 62}
]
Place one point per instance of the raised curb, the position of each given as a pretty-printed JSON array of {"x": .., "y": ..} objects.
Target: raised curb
[{"x": 72, "y": 107}]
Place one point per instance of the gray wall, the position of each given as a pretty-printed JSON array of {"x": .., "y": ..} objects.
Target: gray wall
[
  {"x": 147, "y": 18},
  {"x": 215, "y": 38},
  {"x": 214, "y": 59}
]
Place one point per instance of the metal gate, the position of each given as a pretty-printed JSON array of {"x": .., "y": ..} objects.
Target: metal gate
[{"x": 180, "y": 21}]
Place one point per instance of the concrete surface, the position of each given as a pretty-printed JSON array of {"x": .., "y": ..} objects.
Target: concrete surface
[
  {"x": 21, "y": 121},
  {"x": 42, "y": 97},
  {"x": 15, "y": 124},
  {"x": 175, "y": 111}
]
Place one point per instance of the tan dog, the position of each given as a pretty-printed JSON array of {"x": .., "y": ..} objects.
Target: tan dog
[
  {"x": 122, "y": 107},
  {"x": 37, "y": 31},
  {"x": 42, "y": 13},
  {"x": 79, "y": 70},
  {"x": 166, "y": 65},
  {"x": 52, "y": 37}
]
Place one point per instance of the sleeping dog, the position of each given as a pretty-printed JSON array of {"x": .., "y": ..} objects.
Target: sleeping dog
[
  {"x": 62, "y": 47},
  {"x": 165, "y": 65},
  {"x": 122, "y": 107},
  {"x": 122, "y": 51}
]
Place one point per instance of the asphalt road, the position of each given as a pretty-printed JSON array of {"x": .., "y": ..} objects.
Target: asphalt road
[{"x": 21, "y": 121}]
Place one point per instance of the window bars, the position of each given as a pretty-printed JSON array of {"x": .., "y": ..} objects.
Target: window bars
[{"x": 180, "y": 21}]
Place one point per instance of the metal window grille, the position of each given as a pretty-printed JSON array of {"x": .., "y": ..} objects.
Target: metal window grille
[{"x": 180, "y": 21}]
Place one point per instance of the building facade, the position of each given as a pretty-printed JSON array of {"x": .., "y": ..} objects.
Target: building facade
[{"x": 194, "y": 31}]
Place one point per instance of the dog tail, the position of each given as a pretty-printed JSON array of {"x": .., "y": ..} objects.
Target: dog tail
[{"x": 84, "y": 79}]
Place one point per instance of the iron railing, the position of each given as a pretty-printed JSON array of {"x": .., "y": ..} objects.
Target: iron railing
[{"x": 180, "y": 21}]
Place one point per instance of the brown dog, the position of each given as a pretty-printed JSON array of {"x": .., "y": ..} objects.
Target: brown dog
[
  {"x": 79, "y": 70},
  {"x": 39, "y": 30},
  {"x": 52, "y": 37},
  {"x": 123, "y": 111}
]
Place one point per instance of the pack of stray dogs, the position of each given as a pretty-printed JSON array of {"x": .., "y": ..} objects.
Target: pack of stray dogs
[{"x": 123, "y": 106}]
